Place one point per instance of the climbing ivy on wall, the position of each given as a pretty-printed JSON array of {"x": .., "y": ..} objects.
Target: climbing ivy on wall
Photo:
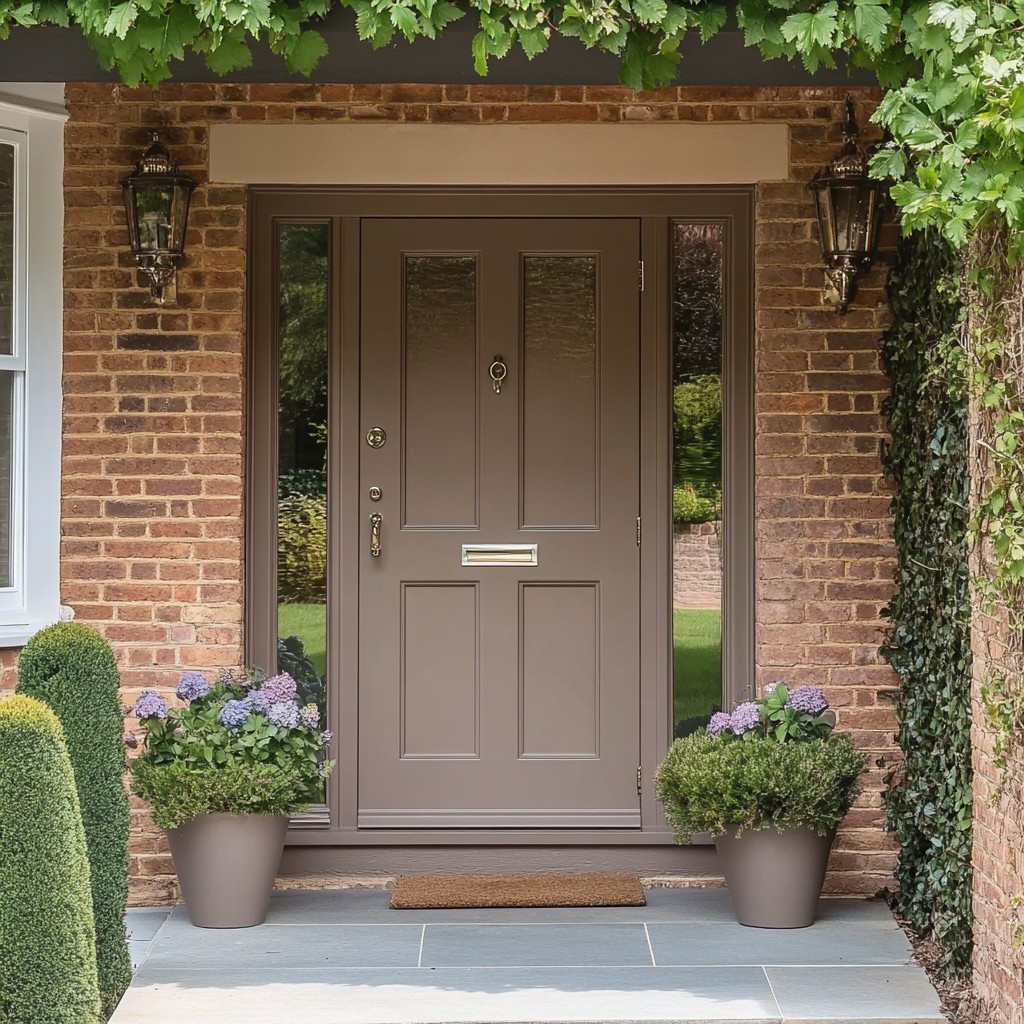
[{"x": 928, "y": 643}]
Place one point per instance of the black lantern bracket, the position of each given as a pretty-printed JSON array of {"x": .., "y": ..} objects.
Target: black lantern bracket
[
  {"x": 156, "y": 201},
  {"x": 849, "y": 206}
]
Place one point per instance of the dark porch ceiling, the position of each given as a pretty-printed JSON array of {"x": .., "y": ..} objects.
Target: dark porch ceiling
[{"x": 45, "y": 54}]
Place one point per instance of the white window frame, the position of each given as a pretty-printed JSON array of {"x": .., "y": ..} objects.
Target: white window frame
[{"x": 36, "y": 129}]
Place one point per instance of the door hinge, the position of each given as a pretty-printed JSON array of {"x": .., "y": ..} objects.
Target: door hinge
[
  {"x": 640, "y": 276},
  {"x": 639, "y": 531},
  {"x": 639, "y": 780}
]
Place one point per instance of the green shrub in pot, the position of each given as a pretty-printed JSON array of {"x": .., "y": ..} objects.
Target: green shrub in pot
[
  {"x": 770, "y": 763},
  {"x": 770, "y": 781}
]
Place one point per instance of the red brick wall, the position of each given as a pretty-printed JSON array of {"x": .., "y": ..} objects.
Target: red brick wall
[
  {"x": 998, "y": 853},
  {"x": 153, "y": 449}
]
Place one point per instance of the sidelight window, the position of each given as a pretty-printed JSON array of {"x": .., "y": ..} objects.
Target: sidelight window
[
  {"x": 302, "y": 330},
  {"x": 697, "y": 296}
]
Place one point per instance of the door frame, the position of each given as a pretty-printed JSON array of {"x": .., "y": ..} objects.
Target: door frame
[{"x": 656, "y": 208}]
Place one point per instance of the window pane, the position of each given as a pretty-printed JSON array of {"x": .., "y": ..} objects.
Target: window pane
[
  {"x": 302, "y": 273},
  {"x": 697, "y": 287},
  {"x": 6, "y": 248},
  {"x": 6, "y": 468}
]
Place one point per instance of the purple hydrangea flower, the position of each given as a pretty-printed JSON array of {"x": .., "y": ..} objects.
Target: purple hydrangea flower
[
  {"x": 192, "y": 686},
  {"x": 260, "y": 701},
  {"x": 808, "y": 699},
  {"x": 326, "y": 736},
  {"x": 720, "y": 721},
  {"x": 280, "y": 688},
  {"x": 235, "y": 713},
  {"x": 745, "y": 717},
  {"x": 284, "y": 713},
  {"x": 150, "y": 704},
  {"x": 310, "y": 716}
]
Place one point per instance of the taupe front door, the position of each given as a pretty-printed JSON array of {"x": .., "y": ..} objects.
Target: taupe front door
[{"x": 499, "y": 567}]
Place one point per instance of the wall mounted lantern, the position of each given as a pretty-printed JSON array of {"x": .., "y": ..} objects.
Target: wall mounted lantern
[
  {"x": 156, "y": 201},
  {"x": 849, "y": 210}
]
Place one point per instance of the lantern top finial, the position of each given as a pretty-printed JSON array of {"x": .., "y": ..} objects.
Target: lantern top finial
[
  {"x": 156, "y": 160},
  {"x": 850, "y": 161}
]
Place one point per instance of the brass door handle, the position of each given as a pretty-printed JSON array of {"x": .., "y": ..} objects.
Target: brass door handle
[{"x": 375, "y": 520}]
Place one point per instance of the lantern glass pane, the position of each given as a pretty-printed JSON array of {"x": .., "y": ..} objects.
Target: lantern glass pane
[
  {"x": 153, "y": 209},
  {"x": 181, "y": 198},
  {"x": 850, "y": 204},
  {"x": 826, "y": 221}
]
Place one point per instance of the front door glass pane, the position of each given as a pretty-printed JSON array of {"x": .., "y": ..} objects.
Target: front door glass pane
[
  {"x": 302, "y": 274},
  {"x": 560, "y": 446},
  {"x": 697, "y": 287},
  {"x": 440, "y": 378}
]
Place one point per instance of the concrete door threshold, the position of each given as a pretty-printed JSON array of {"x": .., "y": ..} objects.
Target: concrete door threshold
[{"x": 343, "y": 957}]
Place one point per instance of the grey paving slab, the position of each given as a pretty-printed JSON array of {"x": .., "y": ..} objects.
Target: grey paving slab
[
  {"x": 144, "y": 922},
  {"x": 442, "y": 996},
  {"x": 855, "y": 995},
  {"x": 535, "y": 945},
  {"x": 344, "y": 958},
  {"x": 182, "y": 947},
  {"x": 138, "y": 950},
  {"x": 833, "y": 942},
  {"x": 849, "y": 909}
]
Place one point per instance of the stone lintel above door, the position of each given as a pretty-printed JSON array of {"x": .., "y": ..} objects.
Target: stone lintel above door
[{"x": 498, "y": 154}]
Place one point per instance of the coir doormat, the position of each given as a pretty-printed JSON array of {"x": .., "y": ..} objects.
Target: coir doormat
[{"x": 444, "y": 892}]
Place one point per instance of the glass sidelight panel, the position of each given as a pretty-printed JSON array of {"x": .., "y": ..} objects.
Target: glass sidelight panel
[
  {"x": 302, "y": 327},
  {"x": 697, "y": 291},
  {"x": 561, "y": 430}
]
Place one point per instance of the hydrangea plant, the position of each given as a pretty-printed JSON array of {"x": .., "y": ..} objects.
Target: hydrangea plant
[
  {"x": 240, "y": 744},
  {"x": 773, "y": 762},
  {"x": 782, "y": 715}
]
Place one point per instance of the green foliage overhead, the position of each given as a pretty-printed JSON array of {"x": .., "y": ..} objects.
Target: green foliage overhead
[
  {"x": 954, "y": 107},
  {"x": 71, "y": 668},
  {"x": 929, "y": 643},
  {"x": 47, "y": 938},
  {"x": 705, "y": 784}
]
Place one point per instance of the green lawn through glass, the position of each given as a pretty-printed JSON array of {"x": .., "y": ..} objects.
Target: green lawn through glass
[
  {"x": 309, "y": 623},
  {"x": 696, "y": 665}
]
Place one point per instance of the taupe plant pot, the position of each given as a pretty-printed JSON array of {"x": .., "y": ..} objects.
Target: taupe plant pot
[
  {"x": 774, "y": 878},
  {"x": 226, "y": 865}
]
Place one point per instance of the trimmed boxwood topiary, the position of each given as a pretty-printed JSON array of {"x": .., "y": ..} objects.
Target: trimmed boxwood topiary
[
  {"x": 47, "y": 938},
  {"x": 71, "y": 668}
]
